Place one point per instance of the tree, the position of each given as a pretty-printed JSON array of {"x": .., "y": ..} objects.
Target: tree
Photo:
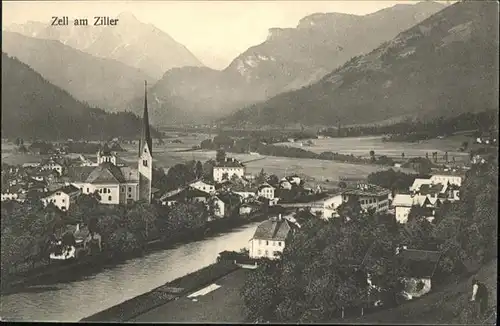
[
  {"x": 372, "y": 155},
  {"x": 198, "y": 171},
  {"x": 403, "y": 155},
  {"x": 261, "y": 177},
  {"x": 273, "y": 180},
  {"x": 225, "y": 176},
  {"x": 220, "y": 156}
]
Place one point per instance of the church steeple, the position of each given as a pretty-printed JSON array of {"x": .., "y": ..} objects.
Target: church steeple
[
  {"x": 145, "y": 162},
  {"x": 146, "y": 134}
]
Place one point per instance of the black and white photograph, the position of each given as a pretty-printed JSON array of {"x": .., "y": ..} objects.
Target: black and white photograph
[{"x": 261, "y": 162}]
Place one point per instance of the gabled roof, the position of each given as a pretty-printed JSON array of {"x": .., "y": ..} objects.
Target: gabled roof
[
  {"x": 106, "y": 173},
  {"x": 80, "y": 173},
  {"x": 229, "y": 198},
  {"x": 427, "y": 189},
  {"x": 229, "y": 163},
  {"x": 266, "y": 185},
  {"x": 69, "y": 190},
  {"x": 186, "y": 193},
  {"x": 272, "y": 230},
  {"x": 407, "y": 200},
  {"x": 418, "y": 182}
]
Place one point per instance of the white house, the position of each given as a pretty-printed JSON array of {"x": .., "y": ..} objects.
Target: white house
[
  {"x": 403, "y": 203},
  {"x": 285, "y": 184},
  {"x": 52, "y": 165},
  {"x": 266, "y": 191},
  {"x": 9, "y": 194},
  {"x": 269, "y": 239},
  {"x": 370, "y": 197},
  {"x": 228, "y": 168},
  {"x": 62, "y": 198},
  {"x": 327, "y": 207},
  {"x": 220, "y": 207},
  {"x": 203, "y": 186}
]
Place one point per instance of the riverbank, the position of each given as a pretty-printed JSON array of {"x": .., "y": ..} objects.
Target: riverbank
[
  {"x": 59, "y": 272},
  {"x": 168, "y": 292}
]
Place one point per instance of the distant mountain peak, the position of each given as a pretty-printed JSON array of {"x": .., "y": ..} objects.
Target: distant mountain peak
[{"x": 127, "y": 16}]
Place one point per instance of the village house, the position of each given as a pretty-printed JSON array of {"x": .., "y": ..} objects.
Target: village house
[
  {"x": 327, "y": 207},
  {"x": 51, "y": 165},
  {"x": 266, "y": 191},
  {"x": 203, "y": 186},
  {"x": 62, "y": 198},
  {"x": 285, "y": 184},
  {"x": 226, "y": 204},
  {"x": 184, "y": 195},
  {"x": 227, "y": 169},
  {"x": 31, "y": 165},
  {"x": 403, "y": 203},
  {"x": 269, "y": 239},
  {"x": 369, "y": 197},
  {"x": 420, "y": 266},
  {"x": 249, "y": 208},
  {"x": 446, "y": 179},
  {"x": 11, "y": 192}
]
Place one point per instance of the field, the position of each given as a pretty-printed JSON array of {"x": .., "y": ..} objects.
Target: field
[
  {"x": 223, "y": 305},
  {"x": 316, "y": 172},
  {"x": 361, "y": 146}
]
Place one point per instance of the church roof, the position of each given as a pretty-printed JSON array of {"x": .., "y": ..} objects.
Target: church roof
[
  {"x": 106, "y": 173},
  {"x": 146, "y": 134}
]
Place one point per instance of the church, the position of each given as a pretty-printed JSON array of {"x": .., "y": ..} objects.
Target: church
[{"x": 119, "y": 184}]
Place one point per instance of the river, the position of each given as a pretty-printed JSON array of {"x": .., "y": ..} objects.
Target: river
[{"x": 73, "y": 301}]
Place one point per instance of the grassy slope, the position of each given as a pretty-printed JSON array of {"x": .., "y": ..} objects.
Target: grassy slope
[{"x": 448, "y": 305}]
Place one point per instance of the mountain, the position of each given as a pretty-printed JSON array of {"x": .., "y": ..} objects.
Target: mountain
[
  {"x": 101, "y": 82},
  {"x": 289, "y": 59},
  {"x": 444, "y": 66},
  {"x": 34, "y": 108},
  {"x": 131, "y": 42}
]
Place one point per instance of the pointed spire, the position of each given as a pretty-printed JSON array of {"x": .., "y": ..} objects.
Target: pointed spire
[{"x": 146, "y": 135}]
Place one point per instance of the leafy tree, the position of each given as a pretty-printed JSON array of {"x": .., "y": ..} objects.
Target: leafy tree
[
  {"x": 198, "y": 171},
  {"x": 225, "y": 176},
  {"x": 261, "y": 177},
  {"x": 372, "y": 155},
  {"x": 273, "y": 179},
  {"x": 220, "y": 155}
]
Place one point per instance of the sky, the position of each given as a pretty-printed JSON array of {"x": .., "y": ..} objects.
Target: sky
[{"x": 214, "y": 31}]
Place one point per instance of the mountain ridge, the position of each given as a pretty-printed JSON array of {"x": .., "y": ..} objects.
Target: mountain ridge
[
  {"x": 290, "y": 58},
  {"x": 128, "y": 40},
  {"x": 34, "y": 108},
  {"x": 438, "y": 61}
]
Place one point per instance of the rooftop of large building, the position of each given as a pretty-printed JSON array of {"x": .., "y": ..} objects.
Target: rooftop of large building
[
  {"x": 229, "y": 163},
  {"x": 275, "y": 229},
  {"x": 367, "y": 190}
]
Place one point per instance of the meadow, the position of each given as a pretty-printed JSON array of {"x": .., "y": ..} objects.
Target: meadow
[{"x": 361, "y": 146}]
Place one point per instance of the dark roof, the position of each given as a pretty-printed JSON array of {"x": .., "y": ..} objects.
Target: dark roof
[
  {"x": 272, "y": 230},
  {"x": 70, "y": 190},
  {"x": 229, "y": 163},
  {"x": 146, "y": 134},
  {"x": 420, "y": 263},
  {"x": 106, "y": 173},
  {"x": 371, "y": 190},
  {"x": 264, "y": 186},
  {"x": 427, "y": 189},
  {"x": 80, "y": 173},
  {"x": 186, "y": 193}
]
